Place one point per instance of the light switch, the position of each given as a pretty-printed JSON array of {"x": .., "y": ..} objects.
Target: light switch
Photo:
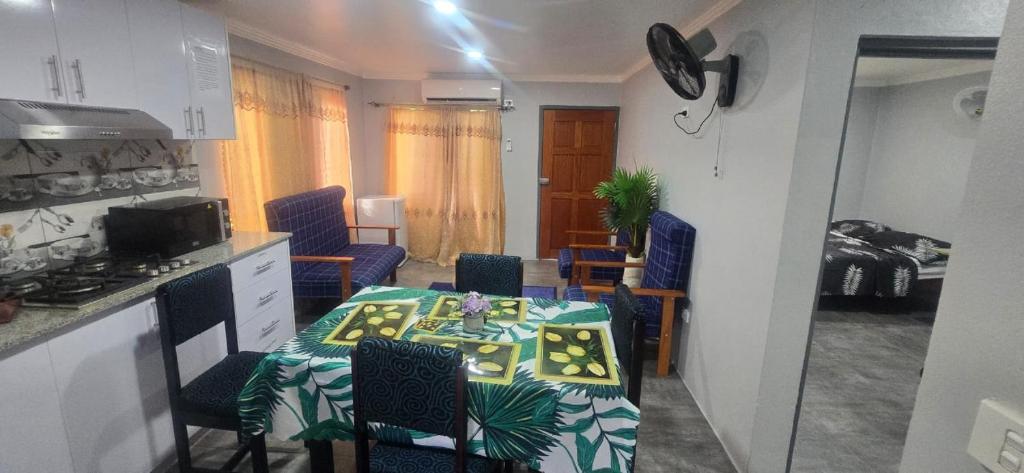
[
  {"x": 508, "y": 144},
  {"x": 996, "y": 440}
]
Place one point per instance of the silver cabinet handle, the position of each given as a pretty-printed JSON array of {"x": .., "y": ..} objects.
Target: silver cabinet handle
[
  {"x": 202, "y": 121},
  {"x": 56, "y": 75},
  {"x": 264, "y": 300},
  {"x": 263, "y": 268},
  {"x": 189, "y": 128},
  {"x": 76, "y": 65},
  {"x": 543, "y": 181},
  {"x": 269, "y": 328}
]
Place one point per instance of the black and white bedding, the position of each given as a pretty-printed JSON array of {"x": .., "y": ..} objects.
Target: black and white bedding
[{"x": 864, "y": 258}]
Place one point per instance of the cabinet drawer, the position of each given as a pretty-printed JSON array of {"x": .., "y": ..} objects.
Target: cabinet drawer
[
  {"x": 254, "y": 268},
  {"x": 266, "y": 292},
  {"x": 269, "y": 329}
]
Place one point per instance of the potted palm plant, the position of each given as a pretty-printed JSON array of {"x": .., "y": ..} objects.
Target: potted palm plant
[{"x": 632, "y": 198}]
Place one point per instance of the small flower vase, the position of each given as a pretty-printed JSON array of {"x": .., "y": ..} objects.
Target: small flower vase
[
  {"x": 474, "y": 306},
  {"x": 473, "y": 323}
]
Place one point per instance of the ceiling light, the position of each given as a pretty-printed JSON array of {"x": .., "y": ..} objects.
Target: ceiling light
[
  {"x": 474, "y": 54},
  {"x": 444, "y": 6}
]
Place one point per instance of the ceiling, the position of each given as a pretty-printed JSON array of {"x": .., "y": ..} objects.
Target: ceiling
[
  {"x": 586, "y": 40},
  {"x": 880, "y": 72}
]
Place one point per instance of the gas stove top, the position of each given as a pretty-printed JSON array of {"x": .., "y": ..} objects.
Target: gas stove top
[{"x": 86, "y": 281}]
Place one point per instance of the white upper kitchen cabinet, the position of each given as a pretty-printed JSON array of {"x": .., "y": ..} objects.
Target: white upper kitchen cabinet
[
  {"x": 31, "y": 429},
  {"x": 113, "y": 391},
  {"x": 209, "y": 66},
  {"x": 161, "y": 73},
  {"x": 96, "y": 50},
  {"x": 30, "y": 67}
]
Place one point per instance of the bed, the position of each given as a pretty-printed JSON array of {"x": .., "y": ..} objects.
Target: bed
[{"x": 866, "y": 258}]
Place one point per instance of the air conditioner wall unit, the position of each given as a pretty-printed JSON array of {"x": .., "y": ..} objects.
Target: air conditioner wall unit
[{"x": 461, "y": 91}]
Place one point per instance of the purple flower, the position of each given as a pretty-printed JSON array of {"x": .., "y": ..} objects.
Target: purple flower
[{"x": 475, "y": 304}]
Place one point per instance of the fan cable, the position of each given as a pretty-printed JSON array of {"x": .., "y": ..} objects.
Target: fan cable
[{"x": 675, "y": 119}]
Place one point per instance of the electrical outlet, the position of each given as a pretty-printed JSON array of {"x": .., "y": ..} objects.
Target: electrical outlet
[
  {"x": 508, "y": 144},
  {"x": 685, "y": 112},
  {"x": 686, "y": 316},
  {"x": 997, "y": 441}
]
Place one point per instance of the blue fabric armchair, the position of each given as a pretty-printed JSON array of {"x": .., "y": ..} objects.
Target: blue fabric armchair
[
  {"x": 325, "y": 263},
  {"x": 614, "y": 253},
  {"x": 666, "y": 277}
]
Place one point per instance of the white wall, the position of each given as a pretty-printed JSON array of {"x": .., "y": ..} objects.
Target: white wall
[
  {"x": 837, "y": 28},
  {"x": 860, "y": 133},
  {"x": 207, "y": 152},
  {"x": 906, "y": 156},
  {"x": 519, "y": 166},
  {"x": 975, "y": 350},
  {"x": 920, "y": 156},
  {"x": 738, "y": 216}
]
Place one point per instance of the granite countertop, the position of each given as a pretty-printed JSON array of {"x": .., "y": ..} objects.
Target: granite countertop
[{"x": 34, "y": 323}]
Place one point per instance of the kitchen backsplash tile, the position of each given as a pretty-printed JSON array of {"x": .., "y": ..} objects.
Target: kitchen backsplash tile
[{"x": 53, "y": 195}]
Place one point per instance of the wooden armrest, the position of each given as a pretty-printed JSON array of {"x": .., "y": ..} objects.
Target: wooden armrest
[
  {"x": 607, "y": 264},
  {"x": 583, "y": 246},
  {"x": 591, "y": 232},
  {"x": 390, "y": 228},
  {"x": 345, "y": 262},
  {"x": 637, "y": 291},
  {"x": 375, "y": 227}
]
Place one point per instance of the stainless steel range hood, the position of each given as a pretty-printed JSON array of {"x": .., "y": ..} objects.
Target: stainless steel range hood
[{"x": 20, "y": 119}]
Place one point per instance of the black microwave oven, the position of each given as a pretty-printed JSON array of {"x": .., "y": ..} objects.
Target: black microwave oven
[{"x": 168, "y": 227}]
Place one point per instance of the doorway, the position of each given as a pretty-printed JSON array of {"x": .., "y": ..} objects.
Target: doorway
[
  {"x": 912, "y": 119},
  {"x": 577, "y": 152}
]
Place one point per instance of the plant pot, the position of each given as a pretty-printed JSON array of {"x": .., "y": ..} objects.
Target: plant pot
[
  {"x": 473, "y": 324},
  {"x": 632, "y": 276}
]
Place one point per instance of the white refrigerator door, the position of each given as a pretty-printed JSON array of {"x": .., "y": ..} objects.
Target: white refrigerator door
[{"x": 382, "y": 210}]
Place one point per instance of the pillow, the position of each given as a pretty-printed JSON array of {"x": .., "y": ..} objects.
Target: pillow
[
  {"x": 916, "y": 246},
  {"x": 857, "y": 228}
]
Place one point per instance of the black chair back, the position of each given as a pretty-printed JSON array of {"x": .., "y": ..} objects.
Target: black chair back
[
  {"x": 189, "y": 306},
  {"x": 410, "y": 385},
  {"x": 628, "y": 336},
  {"x": 498, "y": 275}
]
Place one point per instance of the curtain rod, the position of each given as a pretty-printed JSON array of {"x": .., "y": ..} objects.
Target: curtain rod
[
  {"x": 264, "y": 64},
  {"x": 500, "y": 108}
]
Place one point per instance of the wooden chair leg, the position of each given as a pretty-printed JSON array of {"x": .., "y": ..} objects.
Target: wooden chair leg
[
  {"x": 668, "y": 306},
  {"x": 258, "y": 451},
  {"x": 394, "y": 276}
]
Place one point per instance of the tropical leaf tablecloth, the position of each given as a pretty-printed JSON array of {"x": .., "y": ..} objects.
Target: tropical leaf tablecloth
[{"x": 561, "y": 418}]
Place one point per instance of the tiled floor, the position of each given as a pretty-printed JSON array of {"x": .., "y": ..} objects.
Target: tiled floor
[
  {"x": 674, "y": 436},
  {"x": 862, "y": 379}
]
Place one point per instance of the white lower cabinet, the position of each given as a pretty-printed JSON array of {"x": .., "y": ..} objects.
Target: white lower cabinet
[
  {"x": 31, "y": 427},
  {"x": 113, "y": 392}
]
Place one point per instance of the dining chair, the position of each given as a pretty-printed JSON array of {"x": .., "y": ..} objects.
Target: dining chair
[
  {"x": 187, "y": 307},
  {"x": 498, "y": 275},
  {"x": 628, "y": 329},
  {"x": 326, "y": 263},
  {"x": 662, "y": 290},
  {"x": 414, "y": 386}
]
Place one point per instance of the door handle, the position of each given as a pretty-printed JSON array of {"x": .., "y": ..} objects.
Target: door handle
[
  {"x": 202, "y": 121},
  {"x": 544, "y": 181},
  {"x": 189, "y": 125},
  {"x": 76, "y": 65},
  {"x": 56, "y": 75}
]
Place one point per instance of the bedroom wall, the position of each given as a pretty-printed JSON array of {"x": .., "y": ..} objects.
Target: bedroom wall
[
  {"x": 837, "y": 27},
  {"x": 522, "y": 126},
  {"x": 207, "y": 151},
  {"x": 975, "y": 350},
  {"x": 860, "y": 131},
  {"x": 920, "y": 156},
  {"x": 738, "y": 215}
]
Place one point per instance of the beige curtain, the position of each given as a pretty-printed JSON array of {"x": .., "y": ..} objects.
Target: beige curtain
[
  {"x": 447, "y": 163},
  {"x": 292, "y": 137}
]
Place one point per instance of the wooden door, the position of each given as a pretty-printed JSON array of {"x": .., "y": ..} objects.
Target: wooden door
[{"x": 578, "y": 152}]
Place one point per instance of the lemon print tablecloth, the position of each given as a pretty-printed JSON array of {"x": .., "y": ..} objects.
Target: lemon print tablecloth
[{"x": 564, "y": 412}]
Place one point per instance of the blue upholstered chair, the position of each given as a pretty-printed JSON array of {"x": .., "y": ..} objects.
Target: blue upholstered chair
[
  {"x": 497, "y": 275},
  {"x": 586, "y": 252},
  {"x": 628, "y": 329},
  {"x": 186, "y": 307},
  {"x": 666, "y": 277},
  {"x": 325, "y": 263},
  {"x": 412, "y": 386}
]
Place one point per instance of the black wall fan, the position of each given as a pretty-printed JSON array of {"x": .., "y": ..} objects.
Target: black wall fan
[{"x": 681, "y": 63}]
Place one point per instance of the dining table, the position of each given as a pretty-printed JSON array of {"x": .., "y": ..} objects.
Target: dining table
[{"x": 544, "y": 380}]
